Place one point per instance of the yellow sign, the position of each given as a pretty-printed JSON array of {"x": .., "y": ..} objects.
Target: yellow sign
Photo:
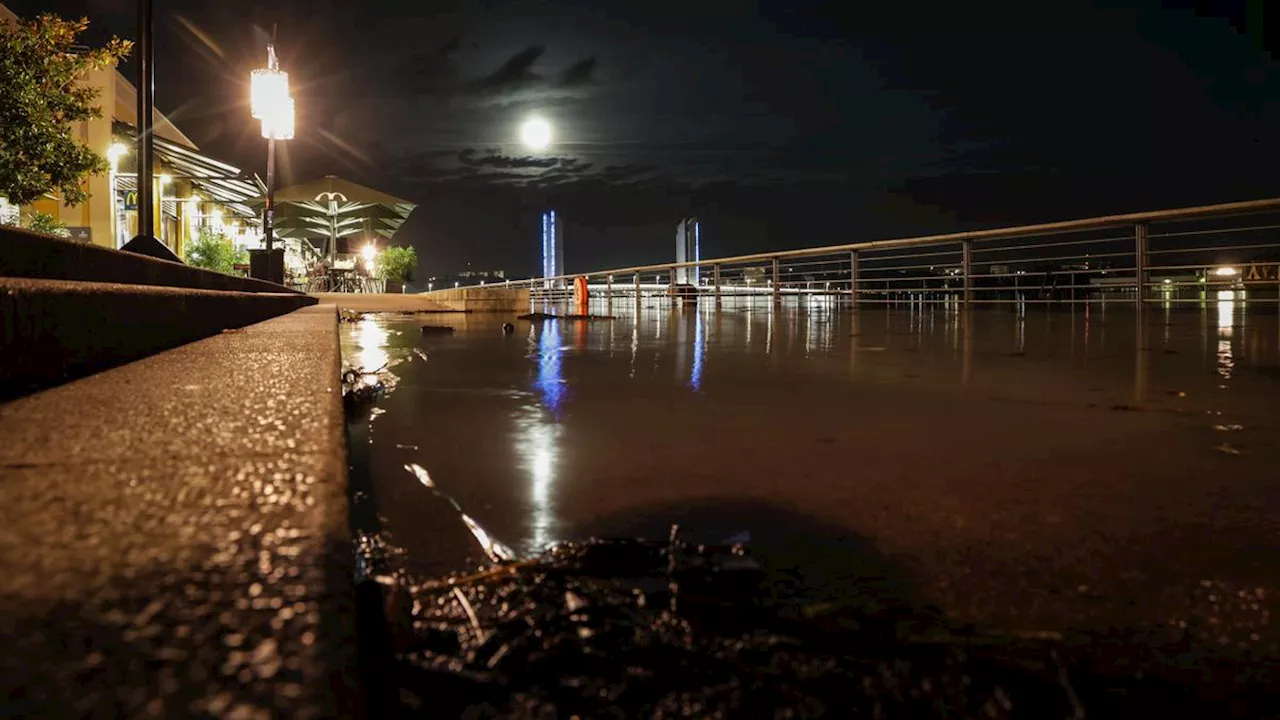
[
  {"x": 131, "y": 200},
  {"x": 1259, "y": 272}
]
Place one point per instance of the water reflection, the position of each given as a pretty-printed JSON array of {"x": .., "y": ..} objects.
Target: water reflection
[
  {"x": 538, "y": 435},
  {"x": 371, "y": 343},
  {"x": 699, "y": 351},
  {"x": 549, "y": 382},
  {"x": 1226, "y": 319}
]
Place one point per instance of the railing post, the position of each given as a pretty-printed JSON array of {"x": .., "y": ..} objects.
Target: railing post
[
  {"x": 853, "y": 277},
  {"x": 777, "y": 284},
  {"x": 967, "y": 269},
  {"x": 1140, "y": 260},
  {"x": 715, "y": 280}
]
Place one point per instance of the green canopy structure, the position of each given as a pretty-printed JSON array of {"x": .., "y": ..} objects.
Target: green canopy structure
[{"x": 320, "y": 212}]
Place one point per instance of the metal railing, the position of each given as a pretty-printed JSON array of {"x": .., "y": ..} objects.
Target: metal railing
[{"x": 1183, "y": 255}]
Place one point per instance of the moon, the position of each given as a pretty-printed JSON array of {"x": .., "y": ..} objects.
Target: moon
[{"x": 535, "y": 133}]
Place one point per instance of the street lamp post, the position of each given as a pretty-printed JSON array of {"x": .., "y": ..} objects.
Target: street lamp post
[
  {"x": 145, "y": 243},
  {"x": 271, "y": 103}
]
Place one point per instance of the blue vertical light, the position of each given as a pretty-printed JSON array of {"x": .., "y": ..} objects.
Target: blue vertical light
[
  {"x": 545, "y": 266},
  {"x": 554, "y": 269}
]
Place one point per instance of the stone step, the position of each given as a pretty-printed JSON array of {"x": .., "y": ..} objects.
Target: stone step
[
  {"x": 31, "y": 255},
  {"x": 55, "y": 330}
]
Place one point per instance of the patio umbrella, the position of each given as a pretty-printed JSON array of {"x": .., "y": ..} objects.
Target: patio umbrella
[{"x": 331, "y": 208}]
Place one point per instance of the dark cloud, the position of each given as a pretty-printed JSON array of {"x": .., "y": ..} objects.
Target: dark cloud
[
  {"x": 515, "y": 74},
  {"x": 505, "y": 162},
  {"x": 579, "y": 74},
  {"x": 434, "y": 71},
  {"x": 472, "y": 158}
]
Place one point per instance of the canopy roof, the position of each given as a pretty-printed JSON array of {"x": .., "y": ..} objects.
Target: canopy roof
[
  {"x": 350, "y": 192},
  {"x": 331, "y": 208}
]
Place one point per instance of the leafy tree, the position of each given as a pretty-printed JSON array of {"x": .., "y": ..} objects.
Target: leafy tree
[
  {"x": 47, "y": 224},
  {"x": 41, "y": 69},
  {"x": 397, "y": 263},
  {"x": 212, "y": 250}
]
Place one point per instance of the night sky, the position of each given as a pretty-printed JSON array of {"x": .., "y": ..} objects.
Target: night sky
[{"x": 779, "y": 123}]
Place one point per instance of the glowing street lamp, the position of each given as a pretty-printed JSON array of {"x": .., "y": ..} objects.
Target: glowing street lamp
[
  {"x": 368, "y": 252},
  {"x": 270, "y": 102},
  {"x": 114, "y": 153}
]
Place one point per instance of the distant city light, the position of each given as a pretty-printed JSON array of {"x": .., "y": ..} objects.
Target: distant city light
[
  {"x": 535, "y": 133},
  {"x": 1226, "y": 271}
]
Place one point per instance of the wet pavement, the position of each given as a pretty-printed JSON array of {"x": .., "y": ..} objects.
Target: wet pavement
[{"x": 1024, "y": 467}]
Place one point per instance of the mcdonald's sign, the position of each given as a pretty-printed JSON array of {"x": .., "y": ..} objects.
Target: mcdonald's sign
[{"x": 131, "y": 200}]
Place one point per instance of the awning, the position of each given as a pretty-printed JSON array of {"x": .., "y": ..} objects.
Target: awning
[{"x": 222, "y": 182}]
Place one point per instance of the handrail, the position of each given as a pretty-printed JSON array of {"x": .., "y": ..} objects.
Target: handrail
[{"x": 1052, "y": 228}]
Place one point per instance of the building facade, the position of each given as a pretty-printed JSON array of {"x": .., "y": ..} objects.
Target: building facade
[
  {"x": 552, "y": 248},
  {"x": 688, "y": 250},
  {"x": 192, "y": 191}
]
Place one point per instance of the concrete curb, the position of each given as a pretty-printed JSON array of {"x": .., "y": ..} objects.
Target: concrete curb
[
  {"x": 52, "y": 330},
  {"x": 176, "y": 539},
  {"x": 481, "y": 299},
  {"x": 31, "y": 255}
]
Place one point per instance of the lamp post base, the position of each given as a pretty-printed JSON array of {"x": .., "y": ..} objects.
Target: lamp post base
[
  {"x": 151, "y": 247},
  {"x": 267, "y": 265}
]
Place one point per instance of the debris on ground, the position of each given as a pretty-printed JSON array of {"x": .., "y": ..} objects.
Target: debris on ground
[
  {"x": 669, "y": 629},
  {"x": 349, "y": 316},
  {"x": 361, "y": 388},
  {"x": 436, "y": 329}
]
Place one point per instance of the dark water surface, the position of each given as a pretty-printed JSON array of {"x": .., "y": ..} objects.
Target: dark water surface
[{"x": 1029, "y": 468}]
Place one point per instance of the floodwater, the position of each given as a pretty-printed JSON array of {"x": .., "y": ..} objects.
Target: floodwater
[{"x": 1028, "y": 467}]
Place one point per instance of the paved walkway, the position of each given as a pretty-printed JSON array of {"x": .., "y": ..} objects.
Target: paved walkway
[
  {"x": 380, "y": 302},
  {"x": 175, "y": 538}
]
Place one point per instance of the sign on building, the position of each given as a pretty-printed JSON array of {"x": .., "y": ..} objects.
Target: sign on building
[{"x": 80, "y": 234}]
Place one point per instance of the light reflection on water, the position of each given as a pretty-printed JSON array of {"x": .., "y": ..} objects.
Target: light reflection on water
[
  {"x": 699, "y": 352},
  {"x": 371, "y": 339},
  {"x": 537, "y": 431},
  {"x": 1226, "y": 320}
]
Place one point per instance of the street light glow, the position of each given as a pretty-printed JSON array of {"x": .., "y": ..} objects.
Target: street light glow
[
  {"x": 266, "y": 87},
  {"x": 535, "y": 133},
  {"x": 1226, "y": 271},
  {"x": 368, "y": 252},
  {"x": 278, "y": 123},
  {"x": 115, "y": 152},
  {"x": 269, "y": 99}
]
